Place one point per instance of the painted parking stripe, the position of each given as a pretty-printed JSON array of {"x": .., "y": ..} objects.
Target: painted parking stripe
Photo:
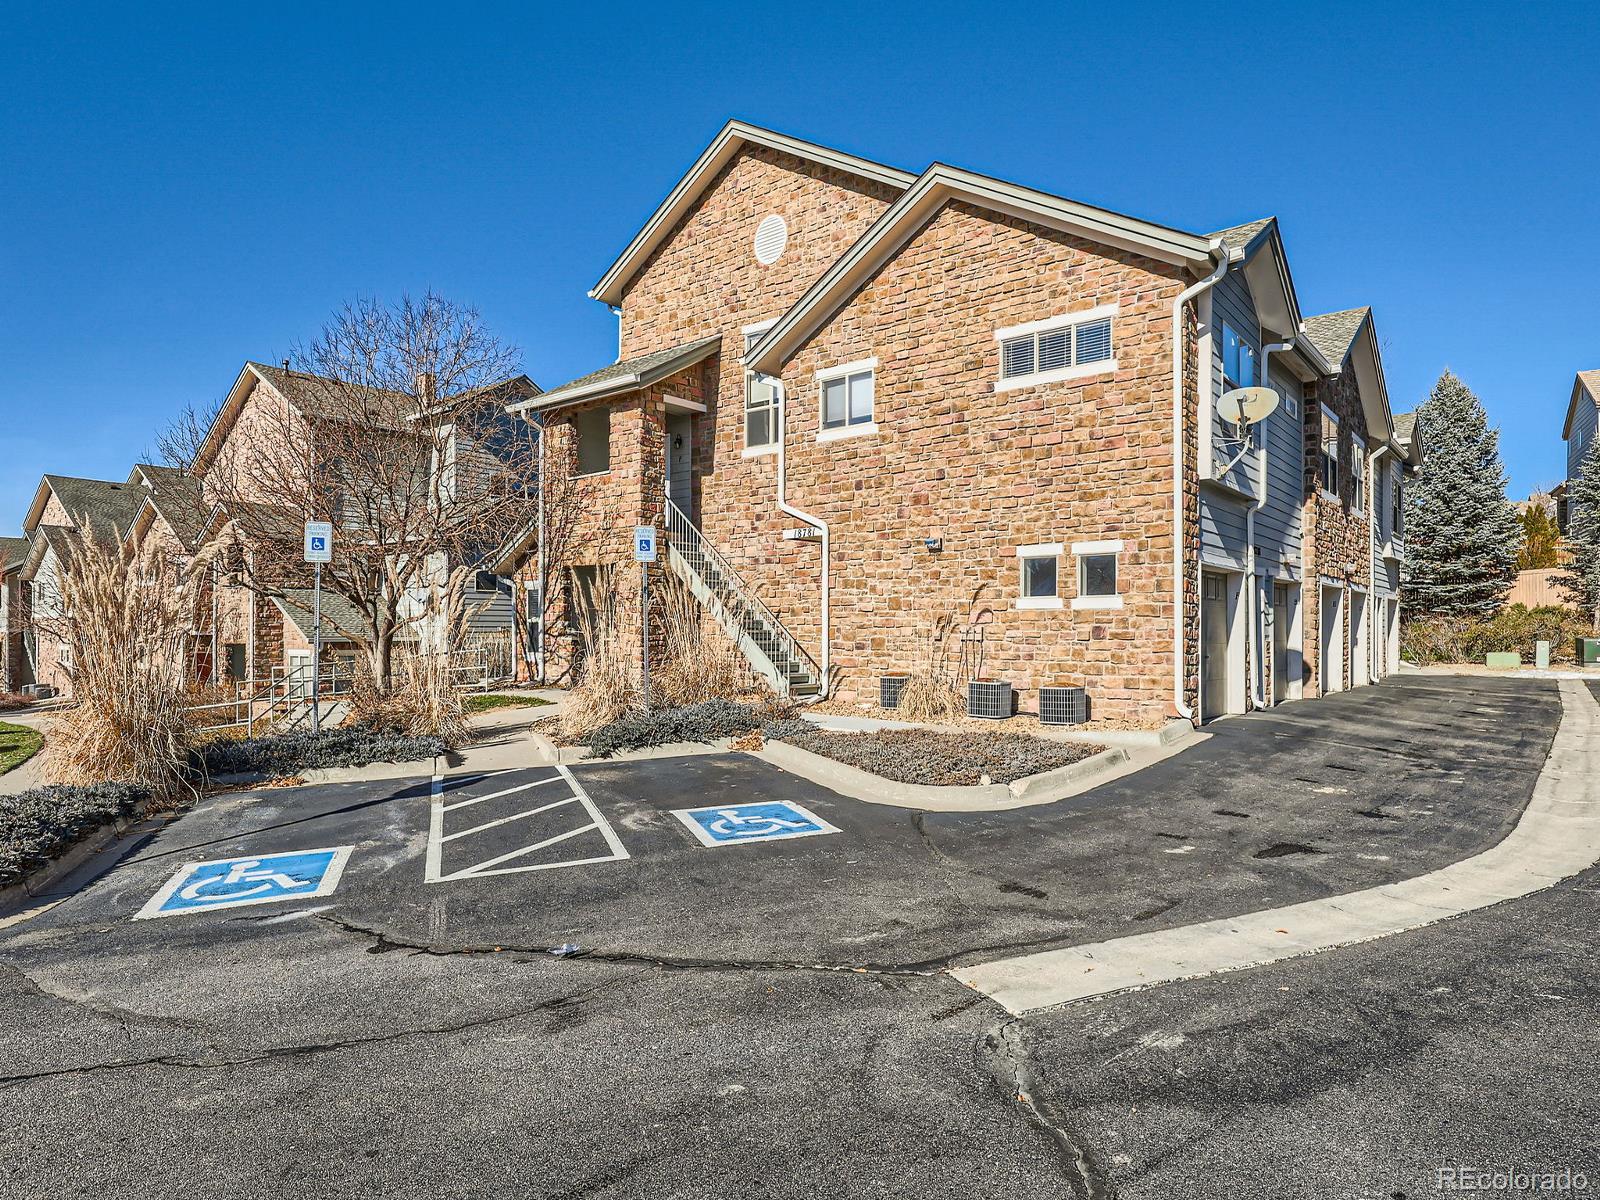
[
  {"x": 252, "y": 879},
  {"x": 434, "y": 872},
  {"x": 521, "y": 787}
]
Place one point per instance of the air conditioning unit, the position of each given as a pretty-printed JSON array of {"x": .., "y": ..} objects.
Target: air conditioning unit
[
  {"x": 889, "y": 689},
  {"x": 1063, "y": 706},
  {"x": 989, "y": 700}
]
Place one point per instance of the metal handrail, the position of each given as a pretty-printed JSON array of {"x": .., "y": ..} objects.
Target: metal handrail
[{"x": 691, "y": 544}]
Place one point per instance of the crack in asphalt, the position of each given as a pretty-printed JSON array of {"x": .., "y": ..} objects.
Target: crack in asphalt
[
  {"x": 1011, "y": 1064},
  {"x": 556, "y": 1004},
  {"x": 126, "y": 1018}
]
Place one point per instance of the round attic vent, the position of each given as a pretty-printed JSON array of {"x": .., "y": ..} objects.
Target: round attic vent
[{"x": 772, "y": 235}]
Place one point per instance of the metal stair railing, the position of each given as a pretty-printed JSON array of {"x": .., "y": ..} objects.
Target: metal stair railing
[{"x": 758, "y": 622}]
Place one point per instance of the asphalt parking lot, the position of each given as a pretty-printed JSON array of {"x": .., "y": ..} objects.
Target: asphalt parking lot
[{"x": 508, "y": 966}]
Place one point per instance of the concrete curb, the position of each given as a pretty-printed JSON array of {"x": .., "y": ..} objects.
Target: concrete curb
[
  {"x": 550, "y": 753},
  {"x": 1173, "y": 731},
  {"x": 851, "y": 781},
  {"x": 1557, "y": 837},
  {"x": 14, "y": 896}
]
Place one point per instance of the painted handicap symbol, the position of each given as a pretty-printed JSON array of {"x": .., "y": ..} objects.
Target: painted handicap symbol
[
  {"x": 723, "y": 825},
  {"x": 260, "y": 879}
]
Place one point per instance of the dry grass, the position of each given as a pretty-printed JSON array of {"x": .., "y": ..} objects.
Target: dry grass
[
  {"x": 699, "y": 661},
  {"x": 608, "y": 684},
  {"x": 129, "y": 618},
  {"x": 930, "y": 693},
  {"x": 424, "y": 700}
]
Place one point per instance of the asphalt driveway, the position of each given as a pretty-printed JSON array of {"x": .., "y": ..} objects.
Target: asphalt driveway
[{"x": 588, "y": 1000}]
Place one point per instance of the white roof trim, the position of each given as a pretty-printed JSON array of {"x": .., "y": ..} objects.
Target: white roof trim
[
  {"x": 937, "y": 185},
  {"x": 735, "y": 136}
]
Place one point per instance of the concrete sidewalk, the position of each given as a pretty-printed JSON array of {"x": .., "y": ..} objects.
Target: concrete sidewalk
[{"x": 1557, "y": 837}]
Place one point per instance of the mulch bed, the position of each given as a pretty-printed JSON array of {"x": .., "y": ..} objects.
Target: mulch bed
[{"x": 936, "y": 757}]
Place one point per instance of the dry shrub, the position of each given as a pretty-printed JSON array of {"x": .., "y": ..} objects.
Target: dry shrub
[
  {"x": 425, "y": 699},
  {"x": 607, "y": 684},
  {"x": 699, "y": 661},
  {"x": 930, "y": 694},
  {"x": 125, "y": 636},
  {"x": 1514, "y": 629}
]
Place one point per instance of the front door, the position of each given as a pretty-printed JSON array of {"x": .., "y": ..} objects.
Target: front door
[
  {"x": 1330, "y": 654},
  {"x": 1360, "y": 648},
  {"x": 1213, "y": 645},
  {"x": 1282, "y": 616},
  {"x": 680, "y": 457}
]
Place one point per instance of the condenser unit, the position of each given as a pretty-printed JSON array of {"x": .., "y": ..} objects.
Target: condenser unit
[
  {"x": 1063, "y": 706},
  {"x": 989, "y": 700}
]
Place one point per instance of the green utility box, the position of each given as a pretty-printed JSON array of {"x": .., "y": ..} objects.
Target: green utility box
[
  {"x": 1502, "y": 661},
  {"x": 1589, "y": 651}
]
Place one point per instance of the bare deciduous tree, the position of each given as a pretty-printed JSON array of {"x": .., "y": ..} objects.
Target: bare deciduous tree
[{"x": 395, "y": 429}]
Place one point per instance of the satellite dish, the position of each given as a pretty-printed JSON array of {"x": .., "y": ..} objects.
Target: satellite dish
[{"x": 1247, "y": 406}]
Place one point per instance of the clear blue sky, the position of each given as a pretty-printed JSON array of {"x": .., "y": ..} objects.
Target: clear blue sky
[{"x": 182, "y": 189}]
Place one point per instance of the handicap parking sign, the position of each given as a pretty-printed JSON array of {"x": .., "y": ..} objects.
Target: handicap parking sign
[
  {"x": 258, "y": 879},
  {"x": 725, "y": 824}
]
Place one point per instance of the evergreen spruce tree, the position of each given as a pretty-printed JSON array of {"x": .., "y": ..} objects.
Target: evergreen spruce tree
[
  {"x": 1581, "y": 582},
  {"x": 1462, "y": 533}
]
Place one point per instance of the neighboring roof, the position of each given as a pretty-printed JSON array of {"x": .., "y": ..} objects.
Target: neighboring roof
[
  {"x": 1266, "y": 274},
  {"x": 735, "y": 135},
  {"x": 57, "y": 538},
  {"x": 1408, "y": 436},
  {"x": 935, "y": 187},
  {"x": 1587, "y": 383},
  {"x": 13, "y": 550},
  {"x": 626, "y": 376},
  {"x": 316, "y": 395},
  {"x": 1334, "y": 333},
  {"x": 341, "y": 620},
  {"x": 106, "y": 506},
  {"x": 175, "y": 496}
]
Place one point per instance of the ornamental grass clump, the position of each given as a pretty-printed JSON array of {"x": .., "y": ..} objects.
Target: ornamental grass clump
[
  {"x": 929, "y": 693},
  {"x": 123, "y": 618},
  {"x": 608, "y": 683},
  {"x": 699, "y": 662}
]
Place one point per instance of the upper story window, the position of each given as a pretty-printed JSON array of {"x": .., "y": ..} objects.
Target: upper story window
[
  {"x": 1329, "y": 456},
  {"x": 760, "y": 400},
  {"x": 1358, "y": 475},
  {"x": 1397, "y": 511},
  {"x": 1238, "y": 360},
  {"x": 593, "y": 431},
  {"x": 847, "y": 399},
  {"x": 1065, "y": 347}
]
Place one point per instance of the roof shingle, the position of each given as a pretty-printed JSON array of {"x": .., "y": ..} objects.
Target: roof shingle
[{"x": 1334, "y": 333}]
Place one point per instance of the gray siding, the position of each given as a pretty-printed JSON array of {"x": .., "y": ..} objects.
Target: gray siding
[
  {"x": 1222, "y": 526},
  {"x": 1231, "y": 305},
  {"x": 1583, "y": 430},
  {"x": 1385, "y": 571},
  {"x": 486, "y": 611},
  {"x": 1280, "y": 523}
]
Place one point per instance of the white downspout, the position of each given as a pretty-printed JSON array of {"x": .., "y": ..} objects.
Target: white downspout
[
  {"x": 1183, "y": 297},
  {"x": 784, "y": 506},
  {"x": 1253, "y": 613}
]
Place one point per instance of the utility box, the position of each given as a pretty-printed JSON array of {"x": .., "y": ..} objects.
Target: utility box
[
  {"x": 1506, "y": 661},
  {"x": 1541, "y": 655},
  {"x": 1589, "y": 652}
]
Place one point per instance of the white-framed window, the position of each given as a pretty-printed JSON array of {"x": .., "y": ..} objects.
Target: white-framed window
[
  {"x": 761, "y": 406},
  {"x": 1065, "y": 347},
  {"x": 845, "y": 399},
  {"x": 1039, "y": 575},
  {"x": 1328, "y": 466},
  {"x": 1397, "y": 500},
  {"x": 593, "y": 430},
  {"x": 1097, "y": 574},
  {"x": 1358, "y": 475},
  {"x": 1238, "y": 360}
]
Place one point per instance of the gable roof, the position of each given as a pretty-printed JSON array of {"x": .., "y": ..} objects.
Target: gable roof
[
  {"x": 1257, "y": 246},
  {"x": 934, "y": 188},
  {"x": 341, "y": 620},
  {"x": 1587, "y": 383},
  {"x": 13, "y": 550},
  {"x": 1408, "y": 437},
  {"x": 175, "y": 496},
  {"x": 105, "y": 505},
  {"x": 1351, "y": 336},
  {"x": 1334, "y": 333},
  {"x": 625, "y": 376},
  {"x": 734, "y": 136}
]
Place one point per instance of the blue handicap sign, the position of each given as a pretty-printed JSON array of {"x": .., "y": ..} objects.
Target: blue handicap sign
[
  {"x": 319, "y": 543},
  {"x": 257, "y": 879},
  {"x": 726, "y": 824}
]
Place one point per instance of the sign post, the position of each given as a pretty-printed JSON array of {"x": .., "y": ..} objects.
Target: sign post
[
  {"x": 644, "y": 553},
  {"x": 318, "y": 550}
]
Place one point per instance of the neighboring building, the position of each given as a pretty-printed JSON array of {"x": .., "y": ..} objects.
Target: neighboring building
[
  {"x": 1578, "y": 431},
  {"x": 860, "y": 402},
  {"x": 16, "y": 672},
  {"x": 64, "y": 510}
]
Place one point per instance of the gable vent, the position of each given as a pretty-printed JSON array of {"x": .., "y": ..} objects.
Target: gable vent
[{"x": 772, "y": 235}]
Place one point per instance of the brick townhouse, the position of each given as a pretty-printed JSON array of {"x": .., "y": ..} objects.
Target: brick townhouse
[{"x": 865, "y": 405}]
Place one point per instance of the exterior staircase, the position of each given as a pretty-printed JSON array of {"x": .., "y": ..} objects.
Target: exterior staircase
[{"x": 769, "y": 647}]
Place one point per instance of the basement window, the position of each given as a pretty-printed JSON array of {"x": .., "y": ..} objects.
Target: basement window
[
  {"x": 1038, "y": 575},
  {"x": 1066, "y": 347}
]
